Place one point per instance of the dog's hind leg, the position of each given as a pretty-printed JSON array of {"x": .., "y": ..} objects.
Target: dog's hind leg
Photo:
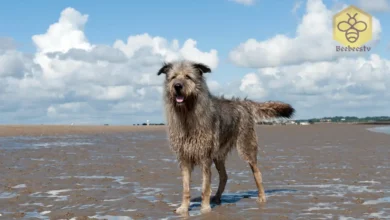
[
  {"x": 259, "y": 181},
  {"x": 206, "y": 186},
  {"x": 220, "y": 165},
  {"x": 186, "y": 169},
  {"x": 247, "y": 148}
]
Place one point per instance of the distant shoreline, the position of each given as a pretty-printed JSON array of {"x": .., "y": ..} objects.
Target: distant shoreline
[{"x": 374, "y": 123}]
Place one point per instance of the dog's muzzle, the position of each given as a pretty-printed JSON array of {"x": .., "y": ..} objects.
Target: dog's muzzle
[{"x": 178, "y": 89}]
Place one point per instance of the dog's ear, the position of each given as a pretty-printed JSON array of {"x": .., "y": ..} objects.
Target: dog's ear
[
  {"x": 202, "y": 68},
  {"x": 165, "y": 68}
]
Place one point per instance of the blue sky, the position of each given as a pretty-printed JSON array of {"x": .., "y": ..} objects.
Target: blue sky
[{"x": 220, "y": 24}]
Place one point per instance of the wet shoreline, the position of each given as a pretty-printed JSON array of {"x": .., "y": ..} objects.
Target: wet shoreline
[{"x": 316, "y": 171}]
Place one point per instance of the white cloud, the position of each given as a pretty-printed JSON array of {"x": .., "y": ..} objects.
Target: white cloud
[
  {"x": 170, "y": 51},
  {"x": 71, "y": 78},
  {"x": 306, "y": 71},
  {"x": 66, "y": 34},
  {"x": 244, "y": 2},
  {"x": 374, "y": 5},
  {"x": 313, "y": 42},
  {"x": 354, "y": 86},
  {"x": 252, "y": 86},
  {"x": 12, "y": 64}
]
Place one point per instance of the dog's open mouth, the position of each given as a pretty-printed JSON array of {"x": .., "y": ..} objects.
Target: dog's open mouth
[{"x": 179, "y": 99}]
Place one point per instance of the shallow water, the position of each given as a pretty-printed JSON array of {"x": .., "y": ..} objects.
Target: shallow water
[
  {"x": 37, "y": 142},
  {"x": 382, "y": 129}
]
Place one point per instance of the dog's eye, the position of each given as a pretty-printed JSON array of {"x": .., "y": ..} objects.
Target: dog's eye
[
  {"x": 173, "y": 77},
  {"x": 188, "y": 77}
]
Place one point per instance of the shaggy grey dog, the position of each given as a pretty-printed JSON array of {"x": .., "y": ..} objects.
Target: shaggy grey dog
[{"x": 204, "y": 128}]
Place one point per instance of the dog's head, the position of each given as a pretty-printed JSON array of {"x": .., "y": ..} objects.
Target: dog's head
[{"x": 184, "y": 81}]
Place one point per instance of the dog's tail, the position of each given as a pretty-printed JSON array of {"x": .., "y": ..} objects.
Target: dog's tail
[{"x": 272, "y": 109}]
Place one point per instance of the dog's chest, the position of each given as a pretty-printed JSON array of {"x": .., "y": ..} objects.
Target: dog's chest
[
  {"x": 193, "y": 143},
  {"x": 191, "y": 137}
]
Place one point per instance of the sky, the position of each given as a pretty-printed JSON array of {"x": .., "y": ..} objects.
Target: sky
[{"x": 88, "y": 62}]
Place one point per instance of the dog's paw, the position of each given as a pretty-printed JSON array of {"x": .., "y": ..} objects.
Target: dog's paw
[
  {"x": 182, "y": 210},
  {"x": 216, "y": 200},
  {"x": 261, "y": 199},
  {"x": 205, "y": 209}
]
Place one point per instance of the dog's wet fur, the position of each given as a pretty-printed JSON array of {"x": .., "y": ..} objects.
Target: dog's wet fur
[{"x": 204, "y": 128}]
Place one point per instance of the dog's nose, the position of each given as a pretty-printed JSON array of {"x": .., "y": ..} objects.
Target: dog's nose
[{"x": 178, "y": 86}]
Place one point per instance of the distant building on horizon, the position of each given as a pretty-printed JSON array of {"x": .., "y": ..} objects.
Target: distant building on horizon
[
  {"x": 292, "y": 122},
  {"x": 325, "y": 120}
]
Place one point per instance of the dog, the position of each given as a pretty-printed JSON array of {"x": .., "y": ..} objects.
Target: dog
[{"x": 203, "y": 128}]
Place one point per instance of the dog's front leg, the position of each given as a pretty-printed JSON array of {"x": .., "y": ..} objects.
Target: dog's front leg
[
  {"x": 186, "y": 170},
  {"x": 206, "y": 186}
]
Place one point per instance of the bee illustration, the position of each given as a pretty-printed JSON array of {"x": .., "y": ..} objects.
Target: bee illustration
[{"x": 352, "y": 28}]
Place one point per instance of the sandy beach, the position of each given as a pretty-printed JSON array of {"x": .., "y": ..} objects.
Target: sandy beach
[
  {"x": 321, "y": 171},
  {"x": 50, "y": 130}
]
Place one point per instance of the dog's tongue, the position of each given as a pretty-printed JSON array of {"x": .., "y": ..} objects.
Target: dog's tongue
[{"x": 179, "y": 98}]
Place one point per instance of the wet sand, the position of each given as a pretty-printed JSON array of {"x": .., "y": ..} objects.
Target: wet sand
[
  {"x": 322, "y": 171},
  {"x": 46, "y": 130}
]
